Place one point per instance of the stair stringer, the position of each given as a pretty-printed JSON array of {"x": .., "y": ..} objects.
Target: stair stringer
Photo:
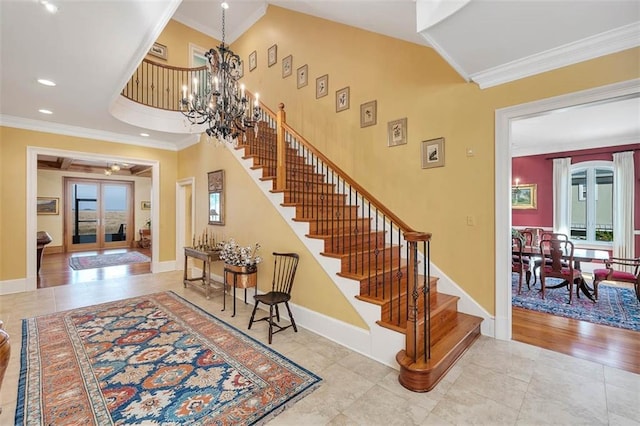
[{"x": 377, "y": 342}]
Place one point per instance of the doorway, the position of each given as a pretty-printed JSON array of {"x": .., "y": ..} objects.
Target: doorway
[
  {"x": 503, "y": 178},
  {"x": 98, "y": 214}
]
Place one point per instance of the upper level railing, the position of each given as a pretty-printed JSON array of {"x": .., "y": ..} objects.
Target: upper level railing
[
  {"x": 161, "y": 86},
  {"x": 352, "y": 221}
]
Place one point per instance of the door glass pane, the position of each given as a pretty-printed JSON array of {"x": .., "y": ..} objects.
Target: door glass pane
[
  {"x": 579, "y": 205},
  {"x": 115, "y": 212},
  {"x": 85, "y": 215},
  {"x": 604, "y": 205}
]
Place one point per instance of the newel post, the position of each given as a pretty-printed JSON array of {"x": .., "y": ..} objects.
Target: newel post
[{"x": 281, "y": 151}]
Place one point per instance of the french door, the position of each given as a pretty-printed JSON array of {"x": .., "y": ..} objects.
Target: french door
[{"x": 98, "y": 214}]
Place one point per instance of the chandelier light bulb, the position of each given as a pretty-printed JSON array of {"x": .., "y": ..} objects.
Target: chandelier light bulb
[{"x": 115, "y": 167}]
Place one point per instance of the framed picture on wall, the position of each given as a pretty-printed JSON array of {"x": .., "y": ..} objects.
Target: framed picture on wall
[
  {"x": 397, "y": 132},
  {"x": 524, "y": 196},
  {"x": 303, "y": 76},
  {"x": 342, "y": 99},
  {"x": 48, "y": 205},
  {"x": 253, "y": 60},
  {"x": 287, "y": 66},
  {"x": 272, "y": 55},
  {"x": 368, "y": 113},
  {"x": 433, "y": 153}
]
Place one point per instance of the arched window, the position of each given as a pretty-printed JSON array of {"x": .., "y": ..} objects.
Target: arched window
[{"x": 592, "y": 202}]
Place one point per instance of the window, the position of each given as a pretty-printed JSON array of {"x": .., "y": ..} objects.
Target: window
[{"x": 592, "y": 202}]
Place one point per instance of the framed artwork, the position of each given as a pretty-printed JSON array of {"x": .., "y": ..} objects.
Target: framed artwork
[
  {"x": 432, "y": 153},
  {"x": 322, "y": 86},
  {"x": 216, "y": 197},
  {"x": 342, "y": 99},
  {"x": 368, "y": 113},
  {"x": 303, "y": 76},
  {"x": 145, "y": 205},
  {"x": 524, "y": 196},
  {"x": 287, "y": 66},
  {"x": 48, "y": 205},
  {"x": 253, "y": 60},
  {"x": 272, "y": 55},
  {"x": 158, "y": 50},
  {"x": 397, "y": 132}
]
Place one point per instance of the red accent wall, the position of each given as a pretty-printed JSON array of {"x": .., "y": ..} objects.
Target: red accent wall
[{"x": 538, "y": 169}]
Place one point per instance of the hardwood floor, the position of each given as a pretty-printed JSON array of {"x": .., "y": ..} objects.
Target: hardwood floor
[
  {"x": 615, "y": 347},
  {"x": 55, "y": 269}
]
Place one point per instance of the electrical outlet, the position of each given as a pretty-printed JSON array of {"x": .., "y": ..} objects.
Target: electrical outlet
[
  {"x": 471, "y": 221},
  {"x": 470, "y": 152}
]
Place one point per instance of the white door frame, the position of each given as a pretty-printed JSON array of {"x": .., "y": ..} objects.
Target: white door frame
[
  {"x": 32, "y": 193},
  {"x": 503, "y": 119},
  {"x": 181, "y": 191}
]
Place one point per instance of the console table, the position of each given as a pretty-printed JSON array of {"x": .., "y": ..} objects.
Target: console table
[{"x": 204, "y": 281}]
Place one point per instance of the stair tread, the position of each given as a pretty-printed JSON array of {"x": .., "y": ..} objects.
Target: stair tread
[{"x": 463, "y": 325}]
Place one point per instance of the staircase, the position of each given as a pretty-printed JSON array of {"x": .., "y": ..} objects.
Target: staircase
[{"x": 383, "y": 256}]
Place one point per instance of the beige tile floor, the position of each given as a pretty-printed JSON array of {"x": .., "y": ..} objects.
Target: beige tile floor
[{"x": 494, "y": 383}]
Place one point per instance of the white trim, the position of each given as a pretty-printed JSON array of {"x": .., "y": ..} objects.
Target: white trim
[
  {"x": 537, "y": 149},
  {"x": 181, "y": 186},
  {"x": 195, "y": 50},
  {"x": 606, "y": 43},
  {"x": 503, "y": 118},
  {"x": 82, "y": 132},
  {"x": 30, "y": 281},
  {"x": 14, "y": 286}
]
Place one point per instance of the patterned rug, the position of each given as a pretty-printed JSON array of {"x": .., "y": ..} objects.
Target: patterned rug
[
  {"x": 104, "y": 260},
  {"x": 152, "y": 360},
  {"x": 616, "y": 307}
]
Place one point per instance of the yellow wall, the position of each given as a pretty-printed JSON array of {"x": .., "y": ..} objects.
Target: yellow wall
[
  {"x": 412, "y": 81},
  {"x": 13, "y": 154},
  {"x": 176, "y": 37}
]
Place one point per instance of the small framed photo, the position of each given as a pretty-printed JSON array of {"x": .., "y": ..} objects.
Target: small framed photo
[
  {"x": 342, "y": 99},
  {"x": 253, "y": 60},
  {"x": 272, "y": 55},
  {"x": 397, "y": 130},
  {"x": 287, "y": 66},
  {"x": 303, "y": 76},
  {"x": 432, "y": 153},
  {"x": 158, "y": 50},
  {"x": 48, "y": 205},
  {"x": 322, "y": 86},
  {"x": 145, "y": 205},
  {"x": 368, "y": 114},
  {"x": 524, "y": 196}
]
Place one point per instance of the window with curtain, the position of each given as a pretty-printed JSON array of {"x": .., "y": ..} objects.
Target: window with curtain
[{"x": 592, "y": 202}]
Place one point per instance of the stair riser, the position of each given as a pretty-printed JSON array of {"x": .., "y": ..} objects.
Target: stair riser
[
  {"x": 319, "y": 212},
  {"x": 328, "y": 227},
  {"x": 394, "y": 313},
  {"x": 345, "y": 243},
  {"x": 320, "y": 199},
  {"x": 358, "y": 262}
]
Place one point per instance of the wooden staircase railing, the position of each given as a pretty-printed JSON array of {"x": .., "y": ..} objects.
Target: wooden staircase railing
[{"x": 389, "y": 259}]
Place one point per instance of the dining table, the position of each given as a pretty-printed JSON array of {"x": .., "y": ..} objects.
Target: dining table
[{"x": 579, "y": 255}]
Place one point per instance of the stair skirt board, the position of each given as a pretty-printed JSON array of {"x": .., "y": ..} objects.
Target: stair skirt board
[{"x": 377, "y": 343}]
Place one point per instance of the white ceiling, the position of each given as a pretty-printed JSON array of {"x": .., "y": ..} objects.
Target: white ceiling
[{"x": 90, "y": 48}]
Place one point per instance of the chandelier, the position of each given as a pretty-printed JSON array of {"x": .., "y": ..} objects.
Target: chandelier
[{"x": 219, "y": 101}]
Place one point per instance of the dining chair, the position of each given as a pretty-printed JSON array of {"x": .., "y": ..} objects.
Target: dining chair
[
  {"x": 518, "y": 263},
  {"x": 546, "y": 235},
  {"x": 615, "y": 272},
  {"x": 557, "y": 261},
  {"x": 284, "y": 272}
]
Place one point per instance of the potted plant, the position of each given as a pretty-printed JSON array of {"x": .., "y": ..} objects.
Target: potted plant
[{"x": 240, "y": 261}]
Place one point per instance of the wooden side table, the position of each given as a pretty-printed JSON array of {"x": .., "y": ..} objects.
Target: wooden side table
[
  {"x": 204, "y": 281},
  {"x": 239, "y": 277}
]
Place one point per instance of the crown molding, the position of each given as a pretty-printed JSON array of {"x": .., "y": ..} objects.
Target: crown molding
[
  {"x": 577, "y": 145},
  {"x": 606, "y": 43},
  {"x": 82, "y": 132}
]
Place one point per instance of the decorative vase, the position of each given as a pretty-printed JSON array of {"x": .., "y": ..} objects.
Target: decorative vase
[{"x": 245, "y": 276}]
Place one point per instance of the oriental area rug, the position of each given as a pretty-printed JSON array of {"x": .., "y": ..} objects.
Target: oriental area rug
[
  {"x": 152, "y": 360},
  {"x": 104, "y": 260},
  {"x": 616, "y": 306}
]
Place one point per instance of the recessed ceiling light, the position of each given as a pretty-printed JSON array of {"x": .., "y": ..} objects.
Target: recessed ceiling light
[
  {"x": 45, "y": 111},
  {"x": 144, "y": 134},
  {"x": 51, "y": 8},
  {"x": 46, "y": 82}
]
